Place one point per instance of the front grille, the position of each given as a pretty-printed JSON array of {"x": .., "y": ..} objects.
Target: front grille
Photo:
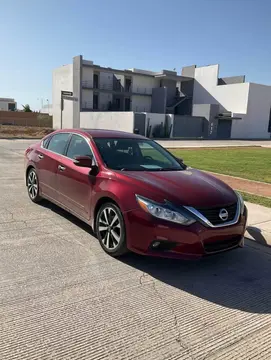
[
  {"x": 212, "y": 214},
  {"x": 222, "y": 245}
]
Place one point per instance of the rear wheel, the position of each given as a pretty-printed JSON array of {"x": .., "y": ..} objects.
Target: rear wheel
[
  {"x": 110, "y": 230},
  {"x": 33, "y": 186}
]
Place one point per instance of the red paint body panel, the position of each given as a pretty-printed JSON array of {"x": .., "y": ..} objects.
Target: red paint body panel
[{"x": 79, "y": 192}]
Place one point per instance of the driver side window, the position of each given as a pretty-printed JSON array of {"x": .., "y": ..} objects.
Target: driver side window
[{"x": 78, "y": 147}]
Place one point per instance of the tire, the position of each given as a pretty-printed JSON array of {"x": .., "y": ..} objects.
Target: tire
[
  {"x": 33, "y": 188},
  {"x": 110, "y": 230}
]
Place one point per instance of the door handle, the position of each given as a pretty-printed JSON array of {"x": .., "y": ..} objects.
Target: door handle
[
  {"x": 40, "y": 156},
  {"x": 61, "y": 168}
]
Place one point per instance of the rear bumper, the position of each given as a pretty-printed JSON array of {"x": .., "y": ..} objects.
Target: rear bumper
[{"x": 144, "y": 232}]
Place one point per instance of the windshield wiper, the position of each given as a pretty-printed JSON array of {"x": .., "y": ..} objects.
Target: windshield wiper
[{"x": 170, "y": 169}]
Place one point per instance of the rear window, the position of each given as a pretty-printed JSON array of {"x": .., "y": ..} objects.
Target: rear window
[{"x": 58, "y": 143}]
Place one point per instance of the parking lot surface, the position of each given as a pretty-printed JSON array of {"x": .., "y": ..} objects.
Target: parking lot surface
[{"x": 62, "y": 297}]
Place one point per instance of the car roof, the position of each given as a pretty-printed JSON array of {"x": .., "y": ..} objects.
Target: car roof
[{"x": 104, "y": 133}]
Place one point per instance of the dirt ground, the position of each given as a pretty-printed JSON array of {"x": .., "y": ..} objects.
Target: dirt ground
[{"x": 26, "y": 132}]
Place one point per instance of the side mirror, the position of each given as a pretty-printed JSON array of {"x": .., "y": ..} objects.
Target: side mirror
[{"x": 83, "y": 161}]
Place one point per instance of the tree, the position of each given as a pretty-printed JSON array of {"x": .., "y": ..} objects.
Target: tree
[{"x": 27, "y": 108}]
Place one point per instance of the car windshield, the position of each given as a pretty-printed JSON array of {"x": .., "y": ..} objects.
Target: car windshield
[{"x": 136, "y": 155}]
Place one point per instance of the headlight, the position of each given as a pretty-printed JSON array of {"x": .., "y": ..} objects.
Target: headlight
[
  {"x": 164, "y": 212},
  {"x": 241, "y": 202}
]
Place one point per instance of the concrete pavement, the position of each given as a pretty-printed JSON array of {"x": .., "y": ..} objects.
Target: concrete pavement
[
  {"x": 63, "y": 298},
  {"x": 259, "y": 224},
  {"x": 213, "y": 143}
]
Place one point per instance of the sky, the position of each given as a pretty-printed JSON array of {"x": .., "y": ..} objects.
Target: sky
[{"x": 37, "y": 36}]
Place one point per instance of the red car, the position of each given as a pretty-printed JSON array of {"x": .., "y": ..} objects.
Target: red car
[{"x": 135, "y": 194}]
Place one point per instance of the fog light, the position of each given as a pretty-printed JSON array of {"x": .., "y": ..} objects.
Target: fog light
[{"x": 155, "y": 244}]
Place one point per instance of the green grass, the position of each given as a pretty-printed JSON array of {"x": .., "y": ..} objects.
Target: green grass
[
  {"x": 256, "y": 199},
  {"x": 248, "y": 163}
]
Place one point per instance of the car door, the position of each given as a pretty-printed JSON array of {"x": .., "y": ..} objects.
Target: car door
[
  {"x": 73, "y": 182},
  {"x": 49, "y": 154}
]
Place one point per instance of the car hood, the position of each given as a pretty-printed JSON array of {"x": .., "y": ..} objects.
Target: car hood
[{"x": 188, "y": 187}]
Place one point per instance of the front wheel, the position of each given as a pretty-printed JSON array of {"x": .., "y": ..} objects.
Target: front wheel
[
  {"x": 110, "y": 230},
  {"x": 33, "y": 186}
]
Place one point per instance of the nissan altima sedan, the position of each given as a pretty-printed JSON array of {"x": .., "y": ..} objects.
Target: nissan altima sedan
[{"x": 135, "y": 194}]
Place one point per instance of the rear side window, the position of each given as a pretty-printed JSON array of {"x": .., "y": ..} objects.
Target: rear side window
[
  {"x": 58, "y": 143},
  {"x": 78, "y": 147}
]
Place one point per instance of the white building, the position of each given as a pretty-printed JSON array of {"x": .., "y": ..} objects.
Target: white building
[
  {"x": 8, "y": 104},
  {"x": 249, "y": 101},
  {"x": 97, "y": 88},
  {"x": 203, "y": 104}
]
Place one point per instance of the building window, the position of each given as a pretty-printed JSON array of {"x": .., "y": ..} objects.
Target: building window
[
  {"x": 117, "y": 103},
  {"x": 127, "y": 104},
  {"x": 128, "y": 83},
  {"x": 95, "y": 81},
  {"x": 95, "y": 101},
  {"x": 11, "y": 107}
]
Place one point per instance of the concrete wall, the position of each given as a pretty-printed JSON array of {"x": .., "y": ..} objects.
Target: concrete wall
[
  {"x": 140, "y": 123},
  {"x": 232, "y": 97},
  {"x": 141, "y": 103},
  {"x": 255, "y": 123},
  {"x": 159, "y": 100},
  {"x": 62, "y": 80},
  {"x": 123, "y": 121},
  {"x": 144, "y": 84},
  {"x": 188, "y": 126},
  {"x": 87, "y": 75},
  {"x": 208, "y": 112},
  {"x": 189, "y": 71},
  {"x": 87, "y": 99},
  {"x": 77, "y": 89},
  {"x": 104, "y": 99},
  {"x": 171, "y": 91},
  {"x": 153, "y": 120},
  {"x": 231, "y": 80},
  {"x": 4, "y": 105},
  {"x": 106, "y": 80},
  {"x": 118, "y": 80}
]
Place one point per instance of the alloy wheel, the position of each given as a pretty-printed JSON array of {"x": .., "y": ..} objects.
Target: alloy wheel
[
  {"x": 109, "y": 228},
  {"x": 32, "y": 185}
]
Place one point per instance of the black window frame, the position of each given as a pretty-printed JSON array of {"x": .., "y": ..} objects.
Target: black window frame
[{"x": 69, "y": 142}]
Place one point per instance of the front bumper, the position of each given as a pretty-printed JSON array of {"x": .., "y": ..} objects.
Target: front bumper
[{"x": 144, "y": 232}]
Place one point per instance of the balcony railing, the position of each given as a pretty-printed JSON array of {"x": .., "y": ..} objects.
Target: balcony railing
[
  {"x": 88, "y": 84},
  {"x": 87, "y": 105},
  {"x": 142, "y": 90}
]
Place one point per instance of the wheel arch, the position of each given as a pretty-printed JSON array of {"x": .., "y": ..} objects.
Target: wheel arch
[
  {"x": 29, "y": 167},
  {"x": 102, "y": 200}
]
